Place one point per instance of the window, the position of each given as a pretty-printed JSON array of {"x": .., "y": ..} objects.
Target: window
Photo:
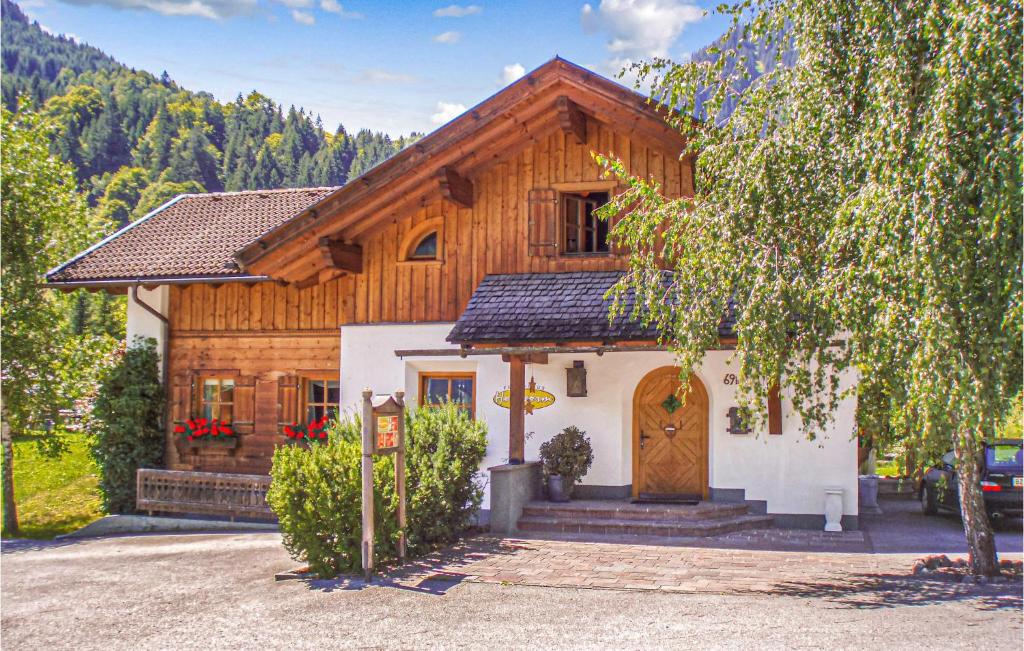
[
  {"x": 439, "y": 388},
  {"x": 217, "y": 399},
  {"x": 426, "y": 248},
  {"x": 582, "y": 231},
  {"x": 320, "y": 398}
]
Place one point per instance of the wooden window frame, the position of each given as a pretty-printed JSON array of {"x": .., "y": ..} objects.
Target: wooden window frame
[
  {"x": 415, "y": 236},
  {"x": 199, "y": 402},
  {"x": 566, "y": 189},
  {"x": 449, "y": 375},
  {"x": 304, "y": 380}
]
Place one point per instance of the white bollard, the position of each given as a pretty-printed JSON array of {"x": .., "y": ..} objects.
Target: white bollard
[{"x": 833, "y": 509}]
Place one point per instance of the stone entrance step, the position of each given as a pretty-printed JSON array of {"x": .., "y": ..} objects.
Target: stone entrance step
[{"x": 625, "y": 518}]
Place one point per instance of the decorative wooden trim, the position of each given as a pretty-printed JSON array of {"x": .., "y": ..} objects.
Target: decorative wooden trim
[
  {"x": 586, "y": 186},
  {"x": 571, "y": 119},
  {"x": 204, "y": 334},
  {"x": 455, "y": 187},
  {"x": 342, "y": 255},
  {"x": 416, "y": 235}
]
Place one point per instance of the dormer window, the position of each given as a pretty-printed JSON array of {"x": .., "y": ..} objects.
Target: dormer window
[
  {"x": 426, "y": 248},
  {"x": 582, "y": 231}
]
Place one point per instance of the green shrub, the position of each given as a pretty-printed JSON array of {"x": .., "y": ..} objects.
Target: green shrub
[
  {"x": 127, "y": 423},
  {"x": 567, "y": 454},
  {"x": 316, "y": 492}
]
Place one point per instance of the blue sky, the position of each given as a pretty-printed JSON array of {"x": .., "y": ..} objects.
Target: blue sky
[{"x": 388, "y": 66}]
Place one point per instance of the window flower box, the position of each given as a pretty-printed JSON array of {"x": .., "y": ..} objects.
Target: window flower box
[
  {"x": 312, "y": 432},
  {"x": 201, "y": 433}
]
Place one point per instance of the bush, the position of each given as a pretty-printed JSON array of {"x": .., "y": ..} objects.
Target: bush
[
  {"x": 567, "y": 454},
  {"x": 127, "y": 421},
  {"x": 316, "y": 492}
]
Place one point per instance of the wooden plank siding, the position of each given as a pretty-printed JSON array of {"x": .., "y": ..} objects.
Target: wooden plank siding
[{"x": 270, "y": 330}]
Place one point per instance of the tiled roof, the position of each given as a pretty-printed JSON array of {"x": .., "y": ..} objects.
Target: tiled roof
[
  {"x": 550, "y": 307},
  {"x": 192, "y": 236}
]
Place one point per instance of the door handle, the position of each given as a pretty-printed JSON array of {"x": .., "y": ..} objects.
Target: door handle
[{"x": 643, "y": 437}]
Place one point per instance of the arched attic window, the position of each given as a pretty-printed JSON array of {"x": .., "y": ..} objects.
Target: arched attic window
[
  {"x": 426, "y": 248},
  {"x": 423, "y": 243}
]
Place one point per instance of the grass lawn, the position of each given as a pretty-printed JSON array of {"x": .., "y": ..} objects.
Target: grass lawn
[{"x": 55, "y": 496}]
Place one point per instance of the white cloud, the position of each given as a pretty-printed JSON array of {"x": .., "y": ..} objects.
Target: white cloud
[
  {"x": 378, "y": 76},
  {"x": 220, "y": 9},
  {"x": 447, "y": 38},
  {"x": 511, "y": 72},
  {"x": 639, "y": 29},
  {"x": 212, "y": 9},
  {"x": 446, "y": 112},
  {"x": 303, "y": 17},
  {"x": 335, "y": 7},
  {"x": 457, "y": 11}
]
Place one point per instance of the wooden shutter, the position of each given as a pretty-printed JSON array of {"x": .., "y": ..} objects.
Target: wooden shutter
[
  {"x": 180, "y": 397},
  {"x": 287, "y": 399},
  {"x": 774, "y": 411},
  {"x": 245, "y": 401},
  {"x": 543, "y": 232}
]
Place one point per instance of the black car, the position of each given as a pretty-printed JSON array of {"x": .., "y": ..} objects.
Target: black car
[{"x": 1002, "y": 481}]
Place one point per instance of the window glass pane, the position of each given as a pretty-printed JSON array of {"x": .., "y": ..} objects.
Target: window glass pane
[
  {"x": 602, "y": 235},
  {"x": 333, "y": 393},
  {"x": 427, "y": 248},
  {"x": 210, "y": 389},
  {"x": 207, "y": 411},
  {"x": 437, "y": 390},
  {"x": 332, "y": 413},
  {"x": 462, "y": 391},
  {"x": 316, "y": 390},
  {"x": 225, "y": 413},
  {"x": 314, "y": 412},
  {"x": 227, "y": 390}
]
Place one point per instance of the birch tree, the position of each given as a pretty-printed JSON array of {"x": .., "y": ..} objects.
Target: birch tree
[{"x": 868, "y": 191}]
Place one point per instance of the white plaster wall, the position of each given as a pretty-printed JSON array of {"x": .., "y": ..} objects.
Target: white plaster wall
[
  {"x": 141, "y": 323},
  {"x": 789, "y": 472}
]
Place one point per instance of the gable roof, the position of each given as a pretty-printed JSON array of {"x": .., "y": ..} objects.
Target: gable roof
[
  {"x": 553, "y": 307},
  {"x": 191, "y": 236},
  {"x": 529, "y": 108}
]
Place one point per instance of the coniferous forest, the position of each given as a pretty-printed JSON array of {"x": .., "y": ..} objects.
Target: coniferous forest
[{"x": 137, "y": 140}]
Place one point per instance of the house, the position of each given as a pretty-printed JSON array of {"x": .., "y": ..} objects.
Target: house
[{"x": 468, "y": 267}]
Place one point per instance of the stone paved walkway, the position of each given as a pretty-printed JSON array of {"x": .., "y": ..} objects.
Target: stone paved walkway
[{"x": 668, "y": 568}]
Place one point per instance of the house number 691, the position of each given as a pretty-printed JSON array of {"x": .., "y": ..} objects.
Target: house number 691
[{"x": 730, "y": 379}]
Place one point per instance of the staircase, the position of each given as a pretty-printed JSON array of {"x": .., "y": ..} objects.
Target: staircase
[{"x": 626, "y": 518}]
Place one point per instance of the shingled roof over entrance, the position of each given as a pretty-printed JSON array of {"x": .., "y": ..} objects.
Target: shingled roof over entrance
[
  {"x": 193, "y": 236},
  {"x": 551, "y": 307}
]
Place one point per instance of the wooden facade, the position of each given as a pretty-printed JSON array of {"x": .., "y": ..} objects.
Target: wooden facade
[{"x": 268, "y": 336}]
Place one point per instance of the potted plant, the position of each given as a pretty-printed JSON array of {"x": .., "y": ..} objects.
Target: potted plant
[
  {"x": 313, "y": 431},
  {"x": 566, "y": 457}
]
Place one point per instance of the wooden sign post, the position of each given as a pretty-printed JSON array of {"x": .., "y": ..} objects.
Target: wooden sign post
[{"x": 383, "y": 433}]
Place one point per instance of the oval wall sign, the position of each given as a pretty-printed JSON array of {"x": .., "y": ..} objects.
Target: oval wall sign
[{"x": 536, "y": 398}]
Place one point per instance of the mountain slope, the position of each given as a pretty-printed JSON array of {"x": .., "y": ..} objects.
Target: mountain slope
[{"x": 137, "y": 140}]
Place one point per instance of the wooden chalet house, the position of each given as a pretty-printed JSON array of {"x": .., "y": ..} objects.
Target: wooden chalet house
[{"x": 468, "y": 264}]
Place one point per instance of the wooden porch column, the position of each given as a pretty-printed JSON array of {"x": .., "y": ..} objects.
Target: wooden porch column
[{"x": 516, "y": 409}]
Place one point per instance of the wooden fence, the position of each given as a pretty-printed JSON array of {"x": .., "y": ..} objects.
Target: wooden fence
[{"x": 203, "y": 493}]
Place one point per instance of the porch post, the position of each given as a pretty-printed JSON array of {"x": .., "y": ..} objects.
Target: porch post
[{"x": 516, "y": 409}]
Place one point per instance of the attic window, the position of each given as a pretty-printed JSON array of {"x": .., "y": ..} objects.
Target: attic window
[
  {"x": 582, "y": 231},
  {"x": 426, "y": 248}
]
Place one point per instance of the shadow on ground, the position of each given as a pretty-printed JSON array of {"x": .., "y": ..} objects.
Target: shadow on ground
[{"x": 877, "y": 591}]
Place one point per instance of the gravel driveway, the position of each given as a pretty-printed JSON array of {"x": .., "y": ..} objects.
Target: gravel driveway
[{"x": 216, "y": 591}]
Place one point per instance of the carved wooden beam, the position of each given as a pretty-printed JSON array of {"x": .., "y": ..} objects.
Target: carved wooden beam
[
  {"x": 455, "y": 187},
  {"x": 339, "y": 255},
  {"x": 571, "y": 119}
]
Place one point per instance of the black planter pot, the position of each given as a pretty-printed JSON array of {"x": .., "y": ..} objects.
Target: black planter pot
[{"x": 559, "y": 489}]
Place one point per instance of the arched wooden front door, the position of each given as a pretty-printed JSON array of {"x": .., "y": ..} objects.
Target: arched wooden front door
[{"x": 670, "y": 441}]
